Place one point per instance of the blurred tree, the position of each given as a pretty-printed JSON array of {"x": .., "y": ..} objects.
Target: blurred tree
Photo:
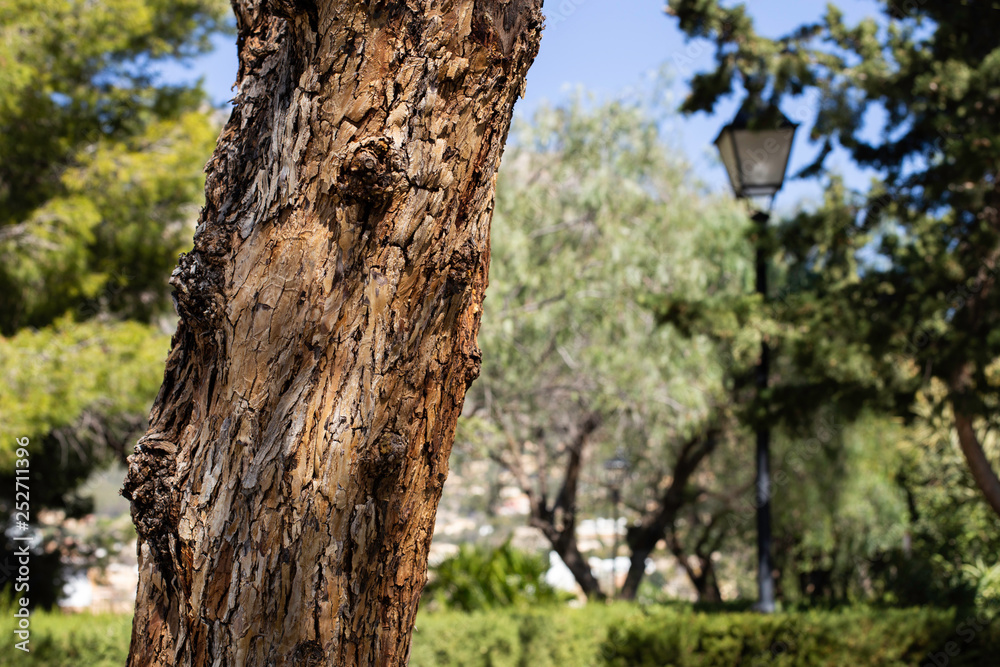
[
  {"x": 592, "y": 214},
  {"x": 950, "y": 554},
  {"x": 888, "y": 301},
  {"x": 100, "y": 182},
  {"x": 836, "y": 503},
  {"x": 899, "y": 284}
]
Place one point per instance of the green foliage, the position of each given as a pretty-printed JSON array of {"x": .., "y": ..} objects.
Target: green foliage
[
  {"x": 50, "y": 376},
  {"x": 78, "y": 392},
  {"x": 110, "y": 238},
  {"x": 952, "y": 533},
  {"x": 894, "y": 286},
  {"x": 75, "y": 73},
  {"x": 100, "y": 182},
  {"x": 843, "y": 510},
  {"x": 613, "y": 635},
  {"x": 987, "y": 580},
  {"x": 888, "y": 302},
  {"x": 844, "y": 638},
  {"x": 551, "y": 637},
  {"x": 594, "y": 210},
  {"x": 68, "y": 640},
  {"x": 478, "y": 578}
]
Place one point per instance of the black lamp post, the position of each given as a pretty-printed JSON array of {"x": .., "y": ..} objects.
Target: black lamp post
[
  {"x": 615, "y": 472},
  {"x": 755, "y": 149}
]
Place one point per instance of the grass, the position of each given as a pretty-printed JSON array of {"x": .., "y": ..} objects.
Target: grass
[{"x": 68, "y": 640}]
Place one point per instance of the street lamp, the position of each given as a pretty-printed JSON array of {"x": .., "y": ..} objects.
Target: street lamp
[
  {"x": 615, "y": 472},
  {"x": 755, "y": 149}
]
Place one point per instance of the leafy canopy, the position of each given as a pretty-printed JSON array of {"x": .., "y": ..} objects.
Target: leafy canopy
[
  {"x": 100, "y": 180},
  {"x": 908, "y": 267}
]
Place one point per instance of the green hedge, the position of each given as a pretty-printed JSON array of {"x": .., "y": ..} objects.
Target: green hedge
[
  {"x": 541, "y": 637},
  {"x": 847, "y": 638},
  {"x": 607, "y": 636},
  {"x": 628, "y": 636}
]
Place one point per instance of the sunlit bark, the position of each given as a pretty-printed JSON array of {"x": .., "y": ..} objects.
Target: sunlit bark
[{"x": 286, "y": 489}]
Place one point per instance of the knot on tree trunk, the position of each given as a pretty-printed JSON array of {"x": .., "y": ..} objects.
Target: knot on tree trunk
[
  {"x": 372, "y": 171},
  {"x": 149, "y": 486},
  {"x": 309, "y": 654},
  {"x": 197, "y": 289},
  {"x": 473, "y": 367},
  {"x": 289, "y": 8},
  {"x": 500, "y": 22},
  {"x": 384, "y": 460},
  {"x": 463, "y": 264}
]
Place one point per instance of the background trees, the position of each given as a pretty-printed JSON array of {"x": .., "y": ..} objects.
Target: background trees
[
  {"x": 889, "y": 295},
  {"x": 100, "y": 181},
  {"x": 595, "y": 212},
  {"x": 619, "y": 312},
  {"x": 573, "y": 381},
  {"x": 922, "y": 301}
]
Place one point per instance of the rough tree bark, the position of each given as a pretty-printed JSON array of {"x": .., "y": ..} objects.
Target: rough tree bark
[{"x": 286, "y": 489}]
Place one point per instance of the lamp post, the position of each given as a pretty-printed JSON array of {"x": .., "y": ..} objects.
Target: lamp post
[
  {"x": 615, "y": 471},
  {"x": 755, "y": 148}
]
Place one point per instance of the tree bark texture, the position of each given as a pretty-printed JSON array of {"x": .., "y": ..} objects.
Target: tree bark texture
[{"x": 286, "y": 490}]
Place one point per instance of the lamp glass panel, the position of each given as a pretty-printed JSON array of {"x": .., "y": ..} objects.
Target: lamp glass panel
[
  {"x": 616, "y": 470},
  {"x": 727, "y": 151},
  {"x": 763, "y": 156}
]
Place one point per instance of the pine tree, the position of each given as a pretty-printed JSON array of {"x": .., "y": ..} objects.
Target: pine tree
[
  {"x": 896, "y": 286},
  {"x": 100, "y": 181}
]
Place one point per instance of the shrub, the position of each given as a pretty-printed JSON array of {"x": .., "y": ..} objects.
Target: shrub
[
  {"x": 68, "y": 640},
  {"x": 481, "y": 578},
  {"x": 552, "y": 636},
  {"x": 845, "y": 638},
  {"x": 619, "y": 635}
]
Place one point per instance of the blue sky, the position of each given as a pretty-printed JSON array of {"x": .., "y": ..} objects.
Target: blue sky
[{"x": 611, "y": 46}]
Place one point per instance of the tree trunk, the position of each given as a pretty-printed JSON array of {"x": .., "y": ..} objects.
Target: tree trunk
[
  {"x": 641, "y": 550},
  {"x": 702, "y": 577},
  {"x": 558, "y": 522},
  {"x": 979, "y": 465},
  {"x": 705, "y": 584},
  {"x": 564, "y": 543},
  {"x": 643, "y": 538},
  {"x": 286, "y": 489}
]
